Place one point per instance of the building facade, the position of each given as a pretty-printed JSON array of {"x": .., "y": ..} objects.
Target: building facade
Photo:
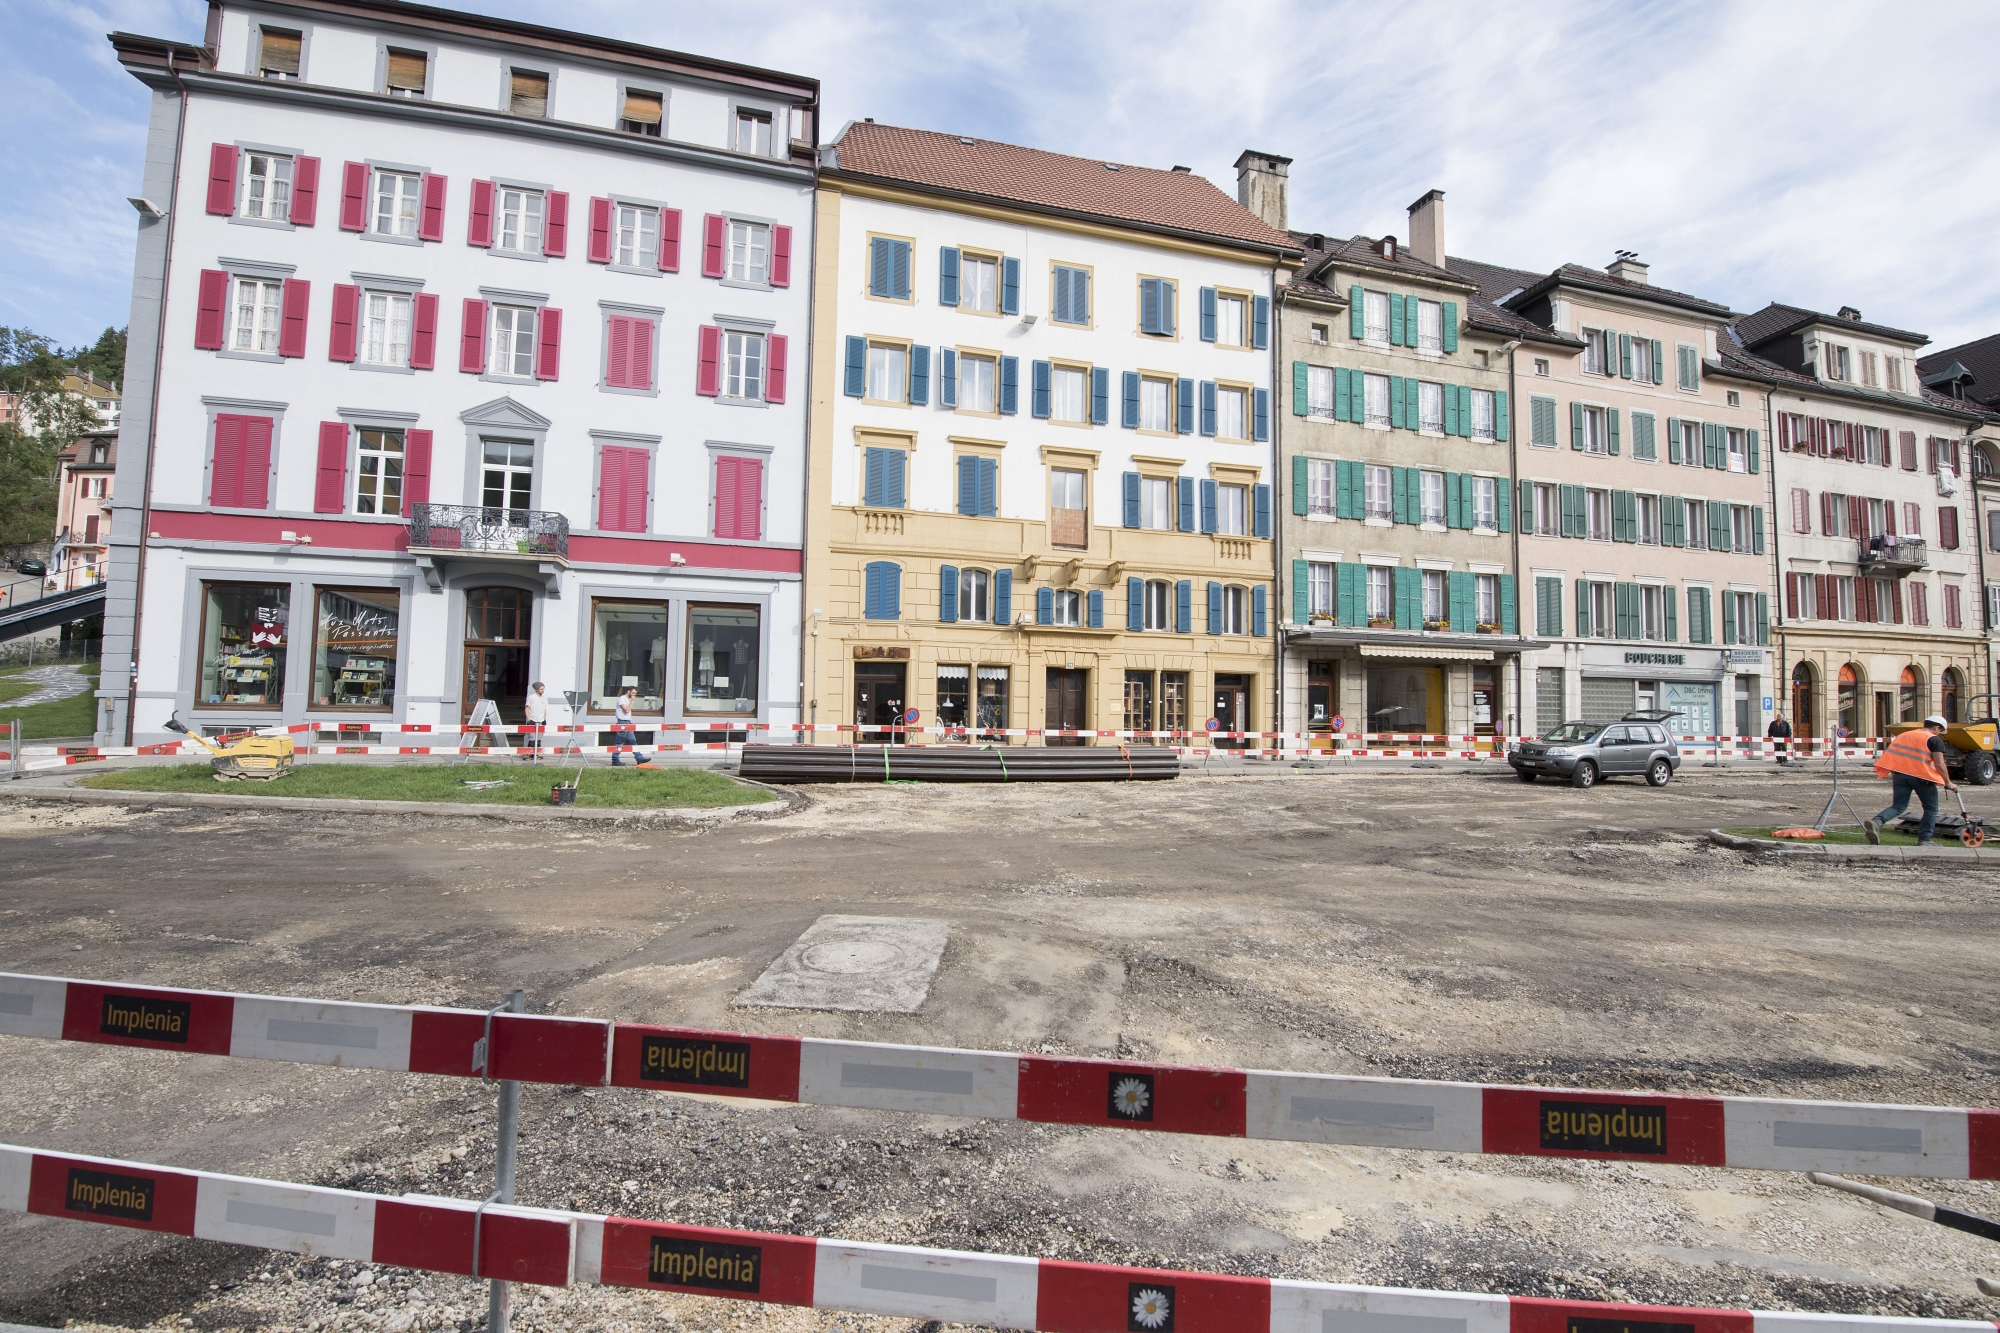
[
  {"x": 472, "y": 370},
  {"x": 1878, "y": 618},
  {"x": 1041, "y": 481},
  {"x": 88, "y": 469},
  {"x": 1968, "y": 376},
  {"x": 1398, "y": 532}
]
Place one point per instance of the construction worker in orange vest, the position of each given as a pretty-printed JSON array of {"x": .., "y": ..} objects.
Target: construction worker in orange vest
[{"x": 1916, "y": 760}]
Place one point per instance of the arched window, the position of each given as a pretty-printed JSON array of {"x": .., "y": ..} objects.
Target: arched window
[
  {"x": 1805, "y": 699},
  {"x": 1850, "y": 699},
  {"x": 1951, "y": 690},
  {"x": 1910, "y": 697}
]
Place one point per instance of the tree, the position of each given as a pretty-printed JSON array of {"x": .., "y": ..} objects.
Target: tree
[
  {"x": 46, "y": 421},
  {"x": 105, "y": 359}
]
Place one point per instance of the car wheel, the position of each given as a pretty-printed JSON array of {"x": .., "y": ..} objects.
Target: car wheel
[
  {"x": 1979, "y": 768},
  {"x": 1584, "y": 774},
  {"x": 1526, "y": 775},
  {"x": 1659, "y": 773}
]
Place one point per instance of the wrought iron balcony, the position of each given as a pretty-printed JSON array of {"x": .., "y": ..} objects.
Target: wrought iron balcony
[
  {"x": 521, "y": 534},
  {"x": 1876, "y": 555}
]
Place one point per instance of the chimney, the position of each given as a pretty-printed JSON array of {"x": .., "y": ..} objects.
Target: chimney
[
  {"x": 1260, "y": 185},
  {"x": 1427, "y": 228},
  {"x": 1850, "y": 313},
  {"x": 1626, "y": 267}
]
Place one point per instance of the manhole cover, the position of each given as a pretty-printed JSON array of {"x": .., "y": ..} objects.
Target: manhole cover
[
  {"x": 865, "y": 964},
  {"x": 852, "y": 957}
]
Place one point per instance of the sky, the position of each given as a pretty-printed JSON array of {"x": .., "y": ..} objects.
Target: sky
[{"x": 1821, "y": 154}]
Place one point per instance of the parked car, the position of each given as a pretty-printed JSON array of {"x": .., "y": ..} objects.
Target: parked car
[
  {"x": 1636, "y": 745},
  {"x": 34, "y": 569}
]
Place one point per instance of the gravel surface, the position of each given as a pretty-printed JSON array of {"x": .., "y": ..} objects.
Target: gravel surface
[{"x": 1438, "y": 925}]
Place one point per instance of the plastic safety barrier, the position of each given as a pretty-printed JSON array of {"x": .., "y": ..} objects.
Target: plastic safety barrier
[
  {"x": 560, "y": 1249},
  {"x": 1743, "y": 1132}
]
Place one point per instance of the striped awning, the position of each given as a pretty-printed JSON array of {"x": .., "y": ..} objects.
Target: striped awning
[{"x": 1426, "y": 652}]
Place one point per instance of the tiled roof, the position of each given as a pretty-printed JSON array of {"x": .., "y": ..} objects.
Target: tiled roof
[
  {"x": 1366, "y": 252},
  {"x": 1981, "y": 357},
  {"x": 1175, "y": 201},
  {"x": 1597, "y": 280},
  {"x": 1738, "y": 359},
  {"x": 1494, "y": 281},
  {"x": 1775, "y": 320}
]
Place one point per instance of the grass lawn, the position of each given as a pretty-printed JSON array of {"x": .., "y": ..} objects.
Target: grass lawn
[
  {"x": 74, "y": 716},
  {"x": 603, "y": 789},
  {"x": 1842, "y": 837}
]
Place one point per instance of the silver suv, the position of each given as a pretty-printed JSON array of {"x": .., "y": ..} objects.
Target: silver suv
[{"x": 1637, "y": 744}]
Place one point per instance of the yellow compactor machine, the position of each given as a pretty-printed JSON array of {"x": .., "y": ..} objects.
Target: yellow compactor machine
[
  {"x": 1972, "y": 742},
  {"x": 248, "y": 755}
]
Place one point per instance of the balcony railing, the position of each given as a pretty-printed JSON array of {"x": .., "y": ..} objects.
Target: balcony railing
[
  {"x": 520, "y": 533},
  {"x": 1892, "y": 555}
]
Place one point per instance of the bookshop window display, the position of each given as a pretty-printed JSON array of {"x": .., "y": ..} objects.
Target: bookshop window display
[
  {"x": 629, "y": 647},
  {"x": 722, "y": 660},
  {"x": 243, "y": 641},
  {"x": 354, "y": 648}
]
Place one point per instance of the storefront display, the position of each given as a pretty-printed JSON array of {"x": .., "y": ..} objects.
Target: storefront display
[
  {"x": 629, "y": 647},
  {"x": 722, "y": 660},
  {"x": 243, "y": 642},
  {"x": 1405, "y": 699},
  {"x": 354, "y": 648}
]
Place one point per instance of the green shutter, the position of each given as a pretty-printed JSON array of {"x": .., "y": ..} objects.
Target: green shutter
[
  {"x": 1409, "y": 598},
  {"x": 1502, "y": 427},
  {"x": 1757, "y": 529},
  {"x": 1527, "y": 513},
  {"x": 1399, "y": 329},
  {"x": 1347, "y": 489},
  {"x": 1669, "y": 599},
  {"x": 1576, "y": 426},
  {"x": 1464, "y": 609},
  {"x": 1756, "y": 451},
  {"x": 1451, "y": 326},
  {"x": 1399, "y": 497},
  {"x": 1673, "y": 439},
  {"x": 1357, "y": 313},
  {"x": 1699, "y": 629},
  {"x": 1611, "y": 421},
  {"x": 1299, "y": 484},
  {"x": 1625, "y": 356},
  {"x": 1728, "y": 617},
  {"x": 1351, "y": 580},
  {"x": 1763, "y": 620},
  {"x": 1343, "y": 396},
  {"x": 1301, "y": 592},
  {"x": 1582, "y": 609},
  {"x": 1509, "y": 613},
  {"x": 1298, "y": 388},
  {"x": 1454, "y": 500},
  {"x": 1659, "y": 363},
  {"x": 1627, "y": 597},
  {"x": 1673, "y": 521},
  {"x": 1503, "y": 505},
  {"x": 1398, "y": 418},
  {"x": 1450, "y": 397}
]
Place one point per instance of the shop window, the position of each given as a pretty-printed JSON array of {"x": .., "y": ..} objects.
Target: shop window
[
  {"x": 954, "y": 695},
  {"x": 963, "y": 701},
  {"x": 243, "y": 642},
  {"x": 354, "y": 648},
  {"x": 1138, "y": 701},
  {"x": 992, "y": 699},
  {"x": 723, "y": 666},
  {"x": 1174, "y": 701},
  {"x": 629, "y": 647},
  {"x": 1909, "y": 697}
]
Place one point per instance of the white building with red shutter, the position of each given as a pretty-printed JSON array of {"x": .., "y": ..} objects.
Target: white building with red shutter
[{"x": 459, "y": 360}]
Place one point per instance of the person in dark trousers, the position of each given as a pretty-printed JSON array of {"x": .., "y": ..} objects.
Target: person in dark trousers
[
  {"x": 1916, "y": 760},
  {"x": 1781, "y": 732}
]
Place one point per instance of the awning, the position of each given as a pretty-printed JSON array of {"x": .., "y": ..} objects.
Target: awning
[{"x": 1425, "y": 652}]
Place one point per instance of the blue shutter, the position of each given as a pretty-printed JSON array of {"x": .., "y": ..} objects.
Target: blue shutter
[
  {"x": 1097, "y": 608},
  {"x": 1259, "y": 608},
  {"x": 1135, "y": 604},
  {"x": 920, "y": 375},
  {"x": 883, "y": 591},
  {"x": 1186, "y": 503},
  {"x": 1131, "y": 408},
  {"x": 1399, "y": 416},
  {"x": 1208, "y": 314},
  {"x": 899, "y": 269},
  {"x": 1398, "y": 325},
  {"x": 1357, "y": 313},
  {"x": 1010, "y": 286},
  {"x": 1184, "y": 606},
  {"x": 1262, "y": 492},
  {"x": 1131, "y": 480},
  {"x": 968, "y": 484},
  {"x": 1038, "y": 399},
  {"x": 857, "y": 366},
  {"x": 1100, "y": 395},
  {"x": 1045, "y": 606},
  {"x": 1260, "y": 322},
  {"x": 948, "y": 594},
  {"x": 1149, "y": 305},
  {"x": 1261, "y": 399},
  {"x": 892, "y": 478},
  {"x": 1184, "y": 406},
  {"x": 878, "y": 266},
  {"x": 1060, "y": 312},
  {"x": 947, "y": 377},
  {"x": 1169, "y": 294},
  {"x": 1451, "y": 326},
  {"x": 948, "y": 275},
  {"x": 1010, "y": 385},
  {"x": 1344, "y": 391},
  {"x": 1079, "y": 295},
  {"x": 989, "y": 487},
  {"x": 1003, "y": 596},
  {"x": 1500, "y": 416},
  {"x": 874, "y": 472},
  {"x": 1208, "y": 407},
  {"x": 1208, "y": 523},
  {"x": 1509, "y": 621},
  {"x": 1215, "y": 608}
]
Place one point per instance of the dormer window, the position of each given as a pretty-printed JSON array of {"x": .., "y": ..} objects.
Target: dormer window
[
  {"x": 405, "y": 73},
  {"x": 642, "y": 114},
  {"x": 1834, "y": 363},
  {"x": 278, "y": 53},
  {"x": 1388, "y": 247},
  {"x": 753, "y": 132},
  {"x": 528, "y": 95}
]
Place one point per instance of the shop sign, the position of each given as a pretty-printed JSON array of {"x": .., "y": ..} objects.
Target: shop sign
[
  {"x": 1656, "y": 659},
  {"x": 865, "y": 654},
  {"x": 1746, "y": 656}
]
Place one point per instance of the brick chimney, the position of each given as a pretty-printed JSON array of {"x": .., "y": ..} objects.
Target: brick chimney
[
  {"x": 1260, "y": 185},
  {"x": 1427, "y": 228},
  {"x": 1625, "y": 267}
]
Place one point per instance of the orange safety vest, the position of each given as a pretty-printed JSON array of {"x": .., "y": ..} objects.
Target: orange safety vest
[{"x": 1909, "y": 754}]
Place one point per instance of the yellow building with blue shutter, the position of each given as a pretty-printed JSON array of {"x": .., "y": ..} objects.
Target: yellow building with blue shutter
[{"x": 1041, "y": 484}]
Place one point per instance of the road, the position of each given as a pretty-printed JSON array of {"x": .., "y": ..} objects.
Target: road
[{"x": 1425, "y": 923}]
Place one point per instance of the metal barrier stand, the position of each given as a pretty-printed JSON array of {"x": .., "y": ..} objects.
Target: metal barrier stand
[{"x": 499, "y": 1293}]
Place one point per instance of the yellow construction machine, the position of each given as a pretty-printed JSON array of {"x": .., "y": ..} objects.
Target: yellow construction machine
[
  {"x": 1973, "y": 742},
  {"x": 243, "y": 755}
]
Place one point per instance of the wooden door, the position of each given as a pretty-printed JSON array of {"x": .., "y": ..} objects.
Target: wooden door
[{"x": 1064, "y": 708}]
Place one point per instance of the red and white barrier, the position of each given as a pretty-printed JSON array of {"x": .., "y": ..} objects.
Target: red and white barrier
[
  {"x": 558, "y": 1249},
  {"x": 1744, "y": 1132}
]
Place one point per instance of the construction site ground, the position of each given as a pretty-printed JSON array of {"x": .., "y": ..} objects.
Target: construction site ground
[{"x": 1445, "y": 924}]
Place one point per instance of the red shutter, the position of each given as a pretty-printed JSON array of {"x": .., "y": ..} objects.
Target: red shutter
[
  {"x": 670, "y": 240},
  {"x": 1920, "y": 606},
  {"x": 479, "y": 226},
  {"x": 1948, "y": 527},
  {"x": 1857, "y": 517},
  {"x": 1888, "y": 458},
  {"x": 723, "y": 522},
  {"x": 781, "y": 256},
  {"x": 256, "y": 463},
  {"x": 618, "y": 352},
  {"x": 1854, "y": 443},
  {"x": 548, "y": 344},
  {"x": 416, "y": 469},
  {"x": 472, "y": 338},
  {"x": 600, "y": 231},
  {"x": 330, "y": 488},
  {"x": 749, "y": 499},
  {"x": 713, "y": 228},
  {"x": 708, "y": 369},
  {"x": 354, "y": 197},
  {"x": 635, "y": 490},
  {"x": 774, "y": 368},
  {"x": 423, "y": 332},
  {"x": 1951, "y": 447},
  {"x": 621, "y": 489},
  {"x": 222, "y": 178},
  {"x": 211, "y": 307},
  {"x": 1930, "y": 454},
  {"x": 1801, "y": 510},
  {"x": 430, "y": 217},
  {"x": 1908, "y": 440},
  {"x": 1784, "y": 432},
  {"x": 1952, "y": 610},
  {"x": 639, "y": 366},
  {"x": 305, "y": 191},
  {"x": 555, "y": 225},
  {"x": 225, "y": 472},
  {"x": 1829, "y": 524},
  {"x": 292, "y": 317},
  {"x": 346, "y": 312},
  {"x": 1913, "y": 518},
  {"x": 1792, "y": 596},
  {"x": 1895, "y": 587}
]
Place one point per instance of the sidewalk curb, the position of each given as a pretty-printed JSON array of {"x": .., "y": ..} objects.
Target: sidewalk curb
[{"x": 1979, "y": 856}]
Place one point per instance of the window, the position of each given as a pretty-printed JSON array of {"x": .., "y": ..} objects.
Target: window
[
  {"x": 972, "y": 595},
  {"x": 1437, "y": 597},
  {"x": 1072, "y": 295},
  {"x": 404, "y": 75},
  {"x": 1318, "y": 334},
  {"x": 385, "y": 328},
  {"x": 1691, "y": 445},
  {"x": 642, "y": 113},
  {"x": 1742, "y": 611},
  {"x": 882, "y": 475},
  {"x": 1381, "y": 598},
  {"x": 742, "y": 365},
  {"x": 1652, "y": 611},
  {"x": 1696, "y": 526},
  {"x": 1649, "y": 520},
  {"x": 1920, "y": 603},
  {"x": 1430, "y": 326},
  {"x": 396, "y": 203},
  {"x": 354, "y": 648},
  {"x": 1595, "y": 362},
  {"x": 1597, "y": 515},
  {"x": 378, "y": 471},
  {"x": 1548, "y": 622},
  {"x": 975, "y": 383},
  {"x": 243, "y": 642},
  {"x": 1067, "y": 520},
  {"x": 723, "y": 660},
  {"x": 1548, "y": 510},
  {"x": 1231, "y": 328},
  {"x": 528, "y": 94},
  {"x": 1232, "y": 510},
  {"x": 1486, "y": 599},
  {"x": 1895, "y": 368},
  {"x": 520, "y": 229},
  {"x": 1482, "y": 415},
  {"x": 1375, "y": 392},
  {"x": 1642, "y": 360},
  {"x": 1375, "y": 493},
  {"x": 979, "y": 283},
  {"x": 1542, "y": 366},
  {"x": 255, "y": 315},
  {"x": 1319, "y": 392},
  {"x": 1157, "y": 306},
  {"x": 635, "y": 236},
  {"x": 1739, "y": 451},
  {"x": 753, "y": 132},
  {"x": 1232, "y": 417},
  {"x": 738, "y": 490},
  {"x": 1158, "y": 601},
  {"x": 1068, "y": 607},
  {"x": 888, "y": 372},
  {"x": 1235, "y": 619},
  {"x": 267, "y": 187},
  {"x": 1069, "y": 394},
  {"x": 1156, "y": 503},
  {"x": 1375, "y": 322},
  {"x": 749, "y": 252},
  {"x": 1432, "y": 495},
  {"x": 1320, "y": 486},
  {"x": 1596, "y": 439},
  {"x": 1837, "y": 363},
  {"x": 1430, "y": 407},
  {"x": 1739, "y": 529},
  {"x": 513, "y": 341},
  {"x": 507, "y": 475},
  {"x": 629, "y": 647},
  {"x": 1947, "y": 525},
  {"x": 278, "y": 54},
  {"x": 1485, "y": 503},
  {"x": 1688, "y": 367},
  {"x": 1603, "y": 621},
  {"x": 1321, "y": 596},
  {"x": 1156, "y": 405},
  {"x": 1870, "y": 374}
]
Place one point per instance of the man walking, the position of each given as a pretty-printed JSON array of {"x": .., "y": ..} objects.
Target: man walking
[
  {"x": 1781, "y": 732},
  {"x": 1916, "y": 760},
  {"x": 624, "y": 730},
  {"x": 537, "y": 710}
]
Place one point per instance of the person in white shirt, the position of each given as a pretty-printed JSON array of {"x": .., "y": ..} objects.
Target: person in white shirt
[
  {"x": 623, "y": 729},
  {"x": 538, "y": 719}
]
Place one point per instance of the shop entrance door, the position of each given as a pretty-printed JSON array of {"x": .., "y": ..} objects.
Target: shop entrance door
[
  {"x": 1885, "y": 712},
  {"x": 1485, "y": 701},
  {"x": 1232, "y": 708},
  {"x": 879, "y": 692},
  {"x": 499, "y": 622},
  {"x": 1064, "y": 709}
]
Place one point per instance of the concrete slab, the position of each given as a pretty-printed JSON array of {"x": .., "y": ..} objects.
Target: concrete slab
[{"x": 861, "y": 964}]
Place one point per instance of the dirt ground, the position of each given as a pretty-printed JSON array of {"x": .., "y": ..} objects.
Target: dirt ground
[{"x": 1437, "y": 924}]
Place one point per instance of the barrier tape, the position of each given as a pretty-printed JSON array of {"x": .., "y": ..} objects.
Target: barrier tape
[
  {"x": 561, "y": 1249},
  {"x": 1741, "y": 1132}
]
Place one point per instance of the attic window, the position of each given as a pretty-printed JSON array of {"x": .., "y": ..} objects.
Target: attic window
[
  {"x": 529, "y": 95},
  {"x": 1112, "y": 166},
  {"x": 278, "y": 54},
  {"x": 753, "y": 132},
  {"x": 642, "y": 114},
  {"x": 405, "y": 74},
  {"x": 967, "y": 142},
  {"x": 1388, "y": 247}
]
